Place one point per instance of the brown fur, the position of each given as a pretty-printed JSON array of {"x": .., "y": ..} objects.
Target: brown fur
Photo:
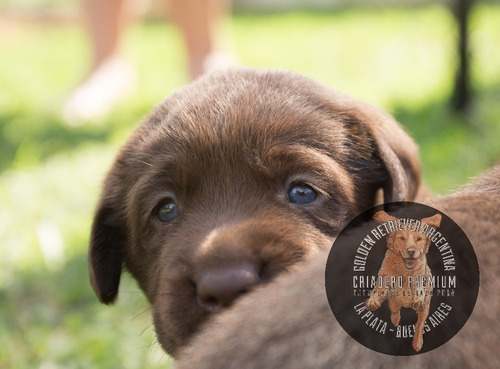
[
  {"x": 405, "y": 256},
  {"x": 288, "y": 324},
  {"x": 226, "y": 150}
]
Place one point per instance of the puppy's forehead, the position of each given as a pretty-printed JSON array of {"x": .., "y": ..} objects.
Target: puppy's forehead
[
  {"x": 243, "y": 127},
  {"x": 246, "y": 109}
]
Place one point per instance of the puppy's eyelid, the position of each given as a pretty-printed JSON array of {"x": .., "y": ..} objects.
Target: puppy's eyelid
[{"x": 311, "y": 183}]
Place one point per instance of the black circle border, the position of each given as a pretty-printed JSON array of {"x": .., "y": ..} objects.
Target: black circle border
[{"x": 362, "y": 224}]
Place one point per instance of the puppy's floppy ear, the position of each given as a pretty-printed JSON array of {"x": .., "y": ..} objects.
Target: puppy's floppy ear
[
  {"x": 434, "y": 221},
  {"x": 107, "y": 242},
  {"x": 395, "y": 149},
  {"x": 399, "y": 155}
]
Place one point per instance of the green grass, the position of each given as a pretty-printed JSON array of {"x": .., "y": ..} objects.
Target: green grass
[{"x": 401, "y": 59}]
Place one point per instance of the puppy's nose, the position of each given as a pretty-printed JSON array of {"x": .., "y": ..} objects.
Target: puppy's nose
[
  {"x": 411, "y": 252},
  {"x": 219, "y": 288}
]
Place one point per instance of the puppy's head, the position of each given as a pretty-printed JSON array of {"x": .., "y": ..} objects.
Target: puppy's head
[
  {"x": 410, "y": 245},
  {"x": 233, "y": 179}
]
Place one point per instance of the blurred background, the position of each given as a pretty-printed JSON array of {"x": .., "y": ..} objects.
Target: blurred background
[{"x": 399, "y": 55}]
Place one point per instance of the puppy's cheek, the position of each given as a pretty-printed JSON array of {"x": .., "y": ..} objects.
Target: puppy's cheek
[
  {"x": 320, "y": 241},
  {"x": 168, "y": 342},
  {"x": 144, "y": 266},
  {"x": 297, "y": 247},
  {"x": 176, "y": 317}
]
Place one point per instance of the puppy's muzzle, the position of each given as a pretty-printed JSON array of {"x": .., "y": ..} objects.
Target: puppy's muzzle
[{"x": 218, "y": 288}]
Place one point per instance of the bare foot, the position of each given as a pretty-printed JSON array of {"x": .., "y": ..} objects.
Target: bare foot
[{"x": 100, "y": 91}]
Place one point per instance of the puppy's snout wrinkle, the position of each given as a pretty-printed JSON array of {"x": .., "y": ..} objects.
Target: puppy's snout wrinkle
[{"x": 218, "y": 288}]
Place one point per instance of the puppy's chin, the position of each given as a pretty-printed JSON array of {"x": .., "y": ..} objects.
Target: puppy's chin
[{"x": 411, "y": 263}]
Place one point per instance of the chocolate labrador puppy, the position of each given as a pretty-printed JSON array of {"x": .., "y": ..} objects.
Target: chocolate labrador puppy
[
  {"x": 231, "y": 180},
  {"x": 289, "y": 324}
]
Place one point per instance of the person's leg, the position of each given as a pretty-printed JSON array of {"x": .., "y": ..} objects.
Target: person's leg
[
  {"x": 110, "y": 76},
  {"x": 105, "y": 21},
  {"x": 199, "y": 22}
]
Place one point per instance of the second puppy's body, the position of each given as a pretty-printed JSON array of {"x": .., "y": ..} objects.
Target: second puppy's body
[{"x": 289, "y": 324}]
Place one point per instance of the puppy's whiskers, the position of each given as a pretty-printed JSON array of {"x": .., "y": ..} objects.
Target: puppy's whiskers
[
  {"x": 147, "y": 328},
  {"x": 142, "y": 312}
]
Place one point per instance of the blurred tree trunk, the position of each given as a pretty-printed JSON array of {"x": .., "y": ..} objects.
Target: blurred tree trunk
[{"x": 462, "y": 92}]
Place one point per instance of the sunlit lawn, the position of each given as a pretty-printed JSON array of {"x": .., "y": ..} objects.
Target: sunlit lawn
[{"x": 401, "y": 59}]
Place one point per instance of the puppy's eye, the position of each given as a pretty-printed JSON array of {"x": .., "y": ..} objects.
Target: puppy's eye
[
  {"x": 402, "y": 238},
  {"x": 302, "y": 194},
  {"x": 167, "y": 211}
]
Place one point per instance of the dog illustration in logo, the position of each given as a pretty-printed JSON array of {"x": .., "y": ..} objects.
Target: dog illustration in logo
[{"x": 403, "y": 270}]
